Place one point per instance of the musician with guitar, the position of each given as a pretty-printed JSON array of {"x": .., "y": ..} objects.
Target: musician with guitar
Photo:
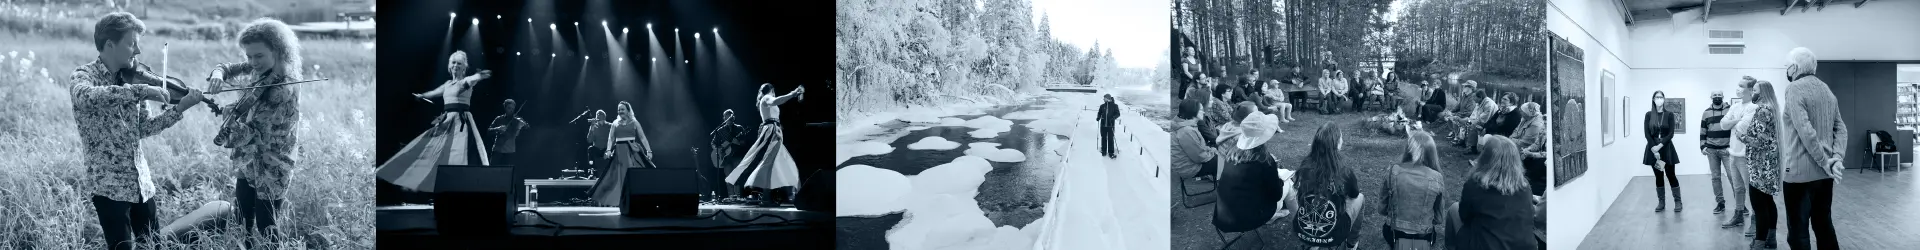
[{"x": 729, "y": 145}]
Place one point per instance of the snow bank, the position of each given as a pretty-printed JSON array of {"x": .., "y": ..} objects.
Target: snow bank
[
  {"x": 988, "y": 126},
  {"x": 1052, "y": 126},
  {"x": 933, "y": 143},
  {"x": 847, "y": 151},
  {"x": 941, "y": 212},
  {"x": 877, "y": 191},
  {"x": 991, "y": 152}
]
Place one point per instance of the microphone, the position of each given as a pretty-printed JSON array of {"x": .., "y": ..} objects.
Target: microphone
[{"x": 576, "y": 119}]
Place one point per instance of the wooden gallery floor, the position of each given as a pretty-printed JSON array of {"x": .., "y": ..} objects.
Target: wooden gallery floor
[{"x": 1871, "y": 210}]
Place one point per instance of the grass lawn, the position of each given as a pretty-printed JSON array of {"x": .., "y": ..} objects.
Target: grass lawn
[
  {"x": 1368, "y": 152},
  {"x": 45, "y": 191}
]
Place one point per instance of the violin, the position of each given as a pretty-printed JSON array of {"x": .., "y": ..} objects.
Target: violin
[{"x": 177, "y": 89}]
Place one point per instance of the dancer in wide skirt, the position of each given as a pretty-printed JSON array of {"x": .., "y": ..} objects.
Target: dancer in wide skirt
[
  {"x": 768, "y": 165},
  {"x": 453, "y": 140}
]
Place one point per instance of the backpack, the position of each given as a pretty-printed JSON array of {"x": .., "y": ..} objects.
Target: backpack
[{"x": 1884, "y": 142}]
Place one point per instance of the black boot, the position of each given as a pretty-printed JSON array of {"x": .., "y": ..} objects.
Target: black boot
[
  {"x": 1739, "y": 218},
  {"x": 1660, "y": 194},
  {"x": 1676, "y": 197},
  {"x": 1719, "y": 209}
]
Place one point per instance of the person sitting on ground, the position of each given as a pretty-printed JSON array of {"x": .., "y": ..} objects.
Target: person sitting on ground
[
  {"x": 1330, "y": 199},
  {"x": 1411, "y": 196}
]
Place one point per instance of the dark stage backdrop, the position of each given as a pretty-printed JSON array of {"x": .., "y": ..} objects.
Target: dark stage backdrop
[{"x": 786, "y": 43}]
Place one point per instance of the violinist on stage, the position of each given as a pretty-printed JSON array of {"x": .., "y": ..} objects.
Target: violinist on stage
[{"x": 109, "y": 110}]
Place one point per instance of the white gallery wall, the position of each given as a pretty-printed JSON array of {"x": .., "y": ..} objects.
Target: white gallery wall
[
  {"x": 1672, "y": 57},
  {"x": 1599, "y": 29},
  {"x": 1665, "y": 56}
]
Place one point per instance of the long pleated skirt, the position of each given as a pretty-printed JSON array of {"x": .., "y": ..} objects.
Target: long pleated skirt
[
  {"x": 767, "y": 164},
  {"x": 612, "y": 185},
  {"x": 453, "y": 140}
]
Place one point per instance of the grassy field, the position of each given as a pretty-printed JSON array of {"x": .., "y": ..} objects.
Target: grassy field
[{"x": 43, "y": 184}]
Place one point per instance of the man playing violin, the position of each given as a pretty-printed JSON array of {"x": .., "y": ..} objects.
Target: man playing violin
[{"x": 109, "y": 111}]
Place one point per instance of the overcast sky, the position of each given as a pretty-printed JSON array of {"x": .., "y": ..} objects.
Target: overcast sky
[{"x": 1137, "y": 30}]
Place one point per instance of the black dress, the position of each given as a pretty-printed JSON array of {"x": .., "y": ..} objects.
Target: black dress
[{"x": 1659, "y": 131}]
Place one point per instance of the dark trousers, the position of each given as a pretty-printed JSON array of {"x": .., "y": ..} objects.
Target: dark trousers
[
  {"x": 1208, "y": 168},
  {"x": 1810, "y": 205},
  {"x": 255, "y": 213},
  {"x": 1393, "y": 236},
  {"x": 1106, "y": 142},
  {"x": 1764, "y": 216},
  {"x": 1670, "y": 182},
  {"x": 123, "y": 222}
]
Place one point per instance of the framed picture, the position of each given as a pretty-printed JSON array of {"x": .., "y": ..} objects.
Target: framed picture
[
  {"x": 1625, "y": 120},
  {"x": 1607, "y": 112},
  {"x": 1679, "y": 108}
]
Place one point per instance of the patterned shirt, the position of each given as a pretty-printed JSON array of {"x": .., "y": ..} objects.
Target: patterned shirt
[
  {"x": 263, "y": 138},
  {"x": 111, "y": 119},
  {"x": 1763, "y": 159}
]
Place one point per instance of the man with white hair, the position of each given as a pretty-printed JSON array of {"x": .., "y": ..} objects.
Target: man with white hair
[{"x": 1812, "y": 145}]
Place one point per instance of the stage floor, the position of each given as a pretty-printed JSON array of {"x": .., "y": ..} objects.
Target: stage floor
[
  {"x": 740, "y": 227},
  {"x": 1871, "y": 210}
]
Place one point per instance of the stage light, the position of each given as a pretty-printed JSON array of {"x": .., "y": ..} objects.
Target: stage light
[
  {"x": 686, "y": 61},
  {"x": 603, "y": 23},
  {"x": 716, "y": 31},
  {"x": 476, "y": 21},
  {"x": 553, "y": 55},
  {"x": 529, "y": 20},
  {"x": 696, "y": 35},
  {"x": 623, "y": 59},
  {"x": 496, "y": 17},
  {"x": 516, "y": 53},
  {"x": 451, "y": 15},
  {"x": 649, "y": 26},
  {"x": 586, "y": 57},
  {"x": 576, "y": 24},
  {"x": 623, "y": 30},
  {"x": 655, "y": 59},
  {"x": 552, "y": 27},
  {"x": 676, "y": 30}
]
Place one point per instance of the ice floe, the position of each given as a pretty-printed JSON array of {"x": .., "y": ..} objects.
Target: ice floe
[
  {"x": 873, "y": 192},
  {"x": 847, "y": 151},
  {"x": 988, "y": 126},
  {"x": 991, "y": 152},
  {"x": 933, "y": 143}
]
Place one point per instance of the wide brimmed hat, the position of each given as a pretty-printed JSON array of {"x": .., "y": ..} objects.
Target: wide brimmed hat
[{"x": 1256, "y": 129}]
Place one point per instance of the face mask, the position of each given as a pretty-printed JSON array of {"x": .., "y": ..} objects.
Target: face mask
[{"x": 1716, "y": 101}]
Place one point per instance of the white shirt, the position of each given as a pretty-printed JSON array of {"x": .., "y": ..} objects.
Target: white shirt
[{"x": 1737, "y": 115}]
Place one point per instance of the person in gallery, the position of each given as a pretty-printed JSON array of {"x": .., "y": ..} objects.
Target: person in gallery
[
  {"x": 1756, "y": 131},
  {"x": 1811, "y": 151},
  {"x": 1495, "y": 210},
  {"x": 1736, "y": 163},
  {"x": 1412, "y": 200},
  {"x": 629, "y": 148},
  {"x": 260, "y": 127},
  {"x": 1714, "y": 141},
  {"x": 768, "y": 165},
  {"x": 1329, "y": 197},
  {"x": 1660, "y": 154},
  {"x": 110, "y": 109},
  {"x": 454, "y": 138}
]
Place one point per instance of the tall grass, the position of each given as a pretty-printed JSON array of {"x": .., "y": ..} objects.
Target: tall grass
[{"x": 45, "y": 192}]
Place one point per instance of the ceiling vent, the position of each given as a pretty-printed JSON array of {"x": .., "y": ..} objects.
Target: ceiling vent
[
  {"x": 1726, "y": 48},
  {"x": 1725, "y": 34}
]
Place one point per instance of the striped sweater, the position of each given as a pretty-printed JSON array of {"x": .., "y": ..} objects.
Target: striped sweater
[{"x": 1714, "y": 135}]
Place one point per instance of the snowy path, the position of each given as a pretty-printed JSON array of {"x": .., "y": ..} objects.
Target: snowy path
[{"x": 1110, "y": 203}]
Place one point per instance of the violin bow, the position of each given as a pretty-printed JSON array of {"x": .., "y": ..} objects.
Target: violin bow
[{"x": 269, "y": 85}]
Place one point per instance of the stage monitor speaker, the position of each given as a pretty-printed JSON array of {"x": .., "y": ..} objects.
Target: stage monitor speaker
[
  {"x": 661, "y": 192},
  {"x": 472, "y": 200},
  {"x": 817, "y": 193}
]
